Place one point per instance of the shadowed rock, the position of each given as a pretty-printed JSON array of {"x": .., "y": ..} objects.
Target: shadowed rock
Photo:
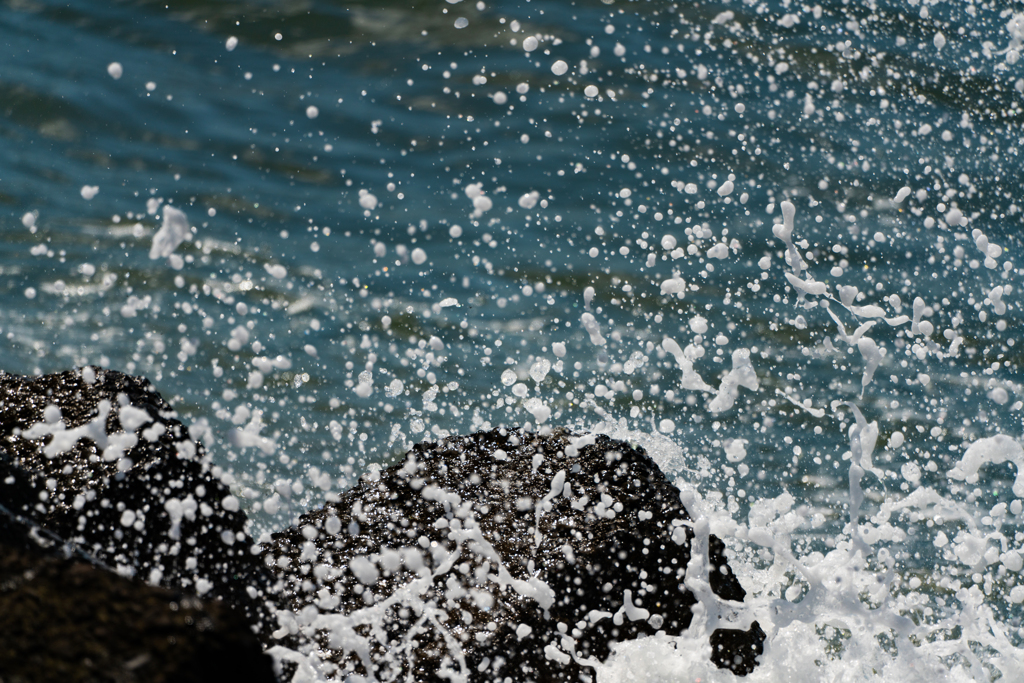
[
  {"x": 503, "y": 556},
  {"x": 65, "y": 619},
  {"x": 115, "y": 473}
]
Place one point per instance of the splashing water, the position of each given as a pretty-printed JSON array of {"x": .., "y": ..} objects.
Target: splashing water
[{"x": 772, "y": 243}]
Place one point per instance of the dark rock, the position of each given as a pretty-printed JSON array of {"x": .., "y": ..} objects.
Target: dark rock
[
  {"x": 500, "y": 554},
  {"x": 63, "y": 619},
  {"x": 142, "y": 500},
  {"x": 17, "y": 494}
]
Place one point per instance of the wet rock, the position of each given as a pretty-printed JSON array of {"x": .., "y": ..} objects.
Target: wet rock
[
  {"x": 114, "y": 473},
  {"x": 65, "y": 619},
  {"x": 501, "y": 556}
]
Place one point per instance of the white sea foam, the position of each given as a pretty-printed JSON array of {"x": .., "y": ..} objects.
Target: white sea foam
[{"x": 173, "y": 231}]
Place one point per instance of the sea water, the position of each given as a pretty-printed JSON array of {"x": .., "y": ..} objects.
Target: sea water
[{"x": 775, "y": 243}]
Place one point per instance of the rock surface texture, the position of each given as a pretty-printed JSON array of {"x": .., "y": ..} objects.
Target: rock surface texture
[
  {"x": 501, "y": 556},
  {"x": 113, "y": 472}
]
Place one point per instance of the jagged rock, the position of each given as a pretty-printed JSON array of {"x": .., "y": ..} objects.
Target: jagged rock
[
  {"x": 64, "y": 619},
  {"x": 503, "y": 556},
  {"x": 115, "y": 473}
]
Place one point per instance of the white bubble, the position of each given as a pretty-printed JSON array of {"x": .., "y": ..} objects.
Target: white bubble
[
  {"x": 364, "y": 570},
  {"x": 499, "y": 97},
  {"x": 590, "y": 91},
  {"x": 540, "y": 369},
  {"x": 455, "y": 231},
  {"x": 115, "y": 70},
  {"x": 674, "y": 285},
  {"x": 333, "y": 525},
  {"x": 540, "y": 411},
  {"x": 29, "y": 219},
  {"x": 276, "y": 270},
  {"x": 1013, "y": 561},
  {"x": 173, "y": 231},
  {"x": 367, "y": 200},
  {"x": 559, "y": 67},
  {"x": 735, "y": 450},
  {"x": 911, "y": 472},
  {"x": 89, "y": 191},
  {"x": 666, "y": 426},
  {"x": 419, "y": 256},
  {"x": 312, "y": 112},
  {"x": 508, "y": 377},
  {"x": 725, "y": 189},
  {"x": 461, "y": 22},
  {"x": 231, "y": 43},
  {"x": 999, "y": 395},
  {"x": 529, "y": 200},
  {"x": 668, "y": 242},
  {"x": 939, "y": 40},
  {"x": 530, "y": 44},
  {"x": 365, "y": 387},
  {"x": 30, "y": 292}
]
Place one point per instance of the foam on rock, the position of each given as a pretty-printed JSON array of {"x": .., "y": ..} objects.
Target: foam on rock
[{"x": 500, "y": 554}]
